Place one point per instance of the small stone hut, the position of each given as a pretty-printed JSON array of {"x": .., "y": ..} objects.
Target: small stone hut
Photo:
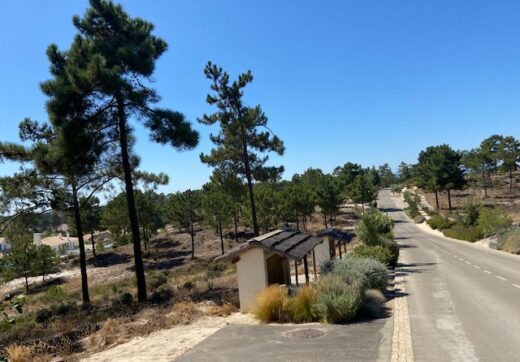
[{"x": 266, "y": 259}]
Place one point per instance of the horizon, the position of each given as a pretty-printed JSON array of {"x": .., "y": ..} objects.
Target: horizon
[{"x": 372, "y": 77}]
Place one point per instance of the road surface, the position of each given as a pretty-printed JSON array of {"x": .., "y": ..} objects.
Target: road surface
[{"x": 463, "y": 301}]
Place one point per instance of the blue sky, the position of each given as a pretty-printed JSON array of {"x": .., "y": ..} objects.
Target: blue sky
[{"x": 362, "y": 81}]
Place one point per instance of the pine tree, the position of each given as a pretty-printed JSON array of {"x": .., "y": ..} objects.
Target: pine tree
[
  {"x": 509, "y": 153},
  {"x": 114, "y": 55},
  {"x": 239, "y": 136},
  {"x": 218, "y": 208}
]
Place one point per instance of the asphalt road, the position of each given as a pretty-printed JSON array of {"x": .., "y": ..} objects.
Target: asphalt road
[{"x": 463, "y": 300}]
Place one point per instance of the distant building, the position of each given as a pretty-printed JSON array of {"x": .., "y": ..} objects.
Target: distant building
[{"x": 60, "y": 242}]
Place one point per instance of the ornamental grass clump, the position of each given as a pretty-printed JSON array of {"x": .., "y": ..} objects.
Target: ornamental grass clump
[
  {"x": 303, "y": 305},
  {"x": 339, "y": 297},
  {"x": 272, "y": 305},
  {"x": 372, "y": 273}
]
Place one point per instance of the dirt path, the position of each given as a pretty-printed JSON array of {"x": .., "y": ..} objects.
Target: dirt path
[{"x": 168, "y": 344}]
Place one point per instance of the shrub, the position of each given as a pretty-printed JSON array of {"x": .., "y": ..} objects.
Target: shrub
[
  {"x": 377, "y": 252},
  {"x": 463, "y": 232},
  {"x": 339, "y": 298},
  {"x": 440, "y": 222},
  {"x": 509, "y": 240},
  {"x": 55, "y": 294},
  {"x": 183, "y": 313},
  {"x": 156, "y": 278},
  {"x": 272, "y": 305},
  {"x": 303, "y": 305},
  {"x": 110, "y": 332},
  {"x": 471, "y": 214},
  {"x": 20, "y": 353},
  {"x": 162, "y": 294},
  {"x": 222, "y": 310},
  {"x": 413, "y": 200},
  {"x": 100, "y": 246},
  {"x": 373, "y": 305},
  {"x": 43, "y": 315},
  {"x": 62, "y": 308},
  {"x": 491, "y": 221},
  {"x": 419, "y": 219},
  {"x": 371, "y": 273},
  {"x": 122, "y": 301},
  {"x": 373, "y": 226},
  {"x": 393, "y": 247}
]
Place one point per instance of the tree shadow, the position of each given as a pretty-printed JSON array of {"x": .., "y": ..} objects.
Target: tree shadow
[
  {"x": 406, "y": 246},
  {"x": 164, "y": 243},
  {"x": 40, "y": 287},
  {"x": 391, "y": 209},
  {"x": 109, "y": 259},
  {"x": 166, "y": 260}
]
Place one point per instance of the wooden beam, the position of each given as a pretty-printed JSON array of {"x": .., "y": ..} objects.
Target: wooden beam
[
  {"x": 306, "y": 268},
  {"x": 314, "y": 264},
  {"x": 296, "y": 271}
]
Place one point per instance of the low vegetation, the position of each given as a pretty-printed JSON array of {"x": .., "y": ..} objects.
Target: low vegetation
[
  {"x": 509, "y": 240},
  {"x": 350, "y": 287}
]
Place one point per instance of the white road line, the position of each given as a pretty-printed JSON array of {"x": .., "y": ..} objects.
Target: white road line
[
  {"x": 476, "y": 266},
  {"x": 501, "y": 278},
  {"x": 487, "y": 271},
  {"x": 516, "y": 286}
]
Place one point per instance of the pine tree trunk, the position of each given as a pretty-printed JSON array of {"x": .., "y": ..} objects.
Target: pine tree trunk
[
  {"x": 297, "y": 224},
  {"x": 26, "y": 282},
  {"x": 437, "y": 200},
  {"x": 510, "y": 179},
  {"x": 221, "y": 237},
  {"x": 449, "y": 200},
  {"x": 192, "y": 233},
  {"x": 484, "y": 183},
  {"x": 236, "y": 227},
  {"x": 325, "y": 220},
  {"x": 249, "y": 178},
  {"x": 132, "y": 211},
  {"x": 93, "y": 243},
  {"x": 81, "y": 242}
]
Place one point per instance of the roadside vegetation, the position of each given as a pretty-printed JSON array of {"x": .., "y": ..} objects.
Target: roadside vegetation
[
  {"x": 348, "y": 288},
  {"x": 481, "y": 188}
]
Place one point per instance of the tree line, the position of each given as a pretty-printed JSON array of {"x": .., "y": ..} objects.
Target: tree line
[{"x": 442, "y": 169}]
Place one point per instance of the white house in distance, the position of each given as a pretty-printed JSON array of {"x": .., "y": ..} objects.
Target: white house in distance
[{"x": 57, "y": 242}]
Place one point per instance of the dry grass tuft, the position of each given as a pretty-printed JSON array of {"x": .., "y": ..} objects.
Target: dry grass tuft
[
  {"x": 20, "y": 353},
  {"x": 183, "y": 313},
  {"x": 222, "y": 310},
  {"x": 272, "y": 305},
  {"x": 111, "y": 332},
  {"x": 303, "y": 305}
]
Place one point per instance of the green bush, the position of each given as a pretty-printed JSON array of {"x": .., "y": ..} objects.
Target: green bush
[
  {"x": 55, "y": 294},
  {"x": 373, "y": 226},
  {"x": 156, "y": 278},
  {"x": 122, "y": 301},
  {"x": 373, "y": 304},
  {"x": 491, "y": 221},
  {"x": 463, "y": 232},
  {"x": 303, "y": 305},
  {"x": 440, "y": 222},
  {"x": 378, "y": 252},
  {"x": 339, "y": 298},
  {"x": 471, "y": 214},
  {"x": 509, "y": 240},
  {"x": 162, "y": 294},
  {"x": 43, "y": 315},
  {"x": 100, "y": 246},
  {"x": 392, "y": 246},
  {"x": 372, "y": 273},
  {"x": 63, "y": 308}
]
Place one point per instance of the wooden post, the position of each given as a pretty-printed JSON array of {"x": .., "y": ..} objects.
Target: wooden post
[
  {"x": 296, "y": 271},
  {"x": 314, "y": 264},
  {"x": 306, "y": 268}
]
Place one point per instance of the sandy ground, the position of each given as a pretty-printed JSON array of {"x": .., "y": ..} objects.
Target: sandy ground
[
  {"x": 20, "y": 282},
  {"x": 168, "y": 344}
]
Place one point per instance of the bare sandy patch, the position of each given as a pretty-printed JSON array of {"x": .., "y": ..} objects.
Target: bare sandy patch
[{"x": 168, "y": 344}]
